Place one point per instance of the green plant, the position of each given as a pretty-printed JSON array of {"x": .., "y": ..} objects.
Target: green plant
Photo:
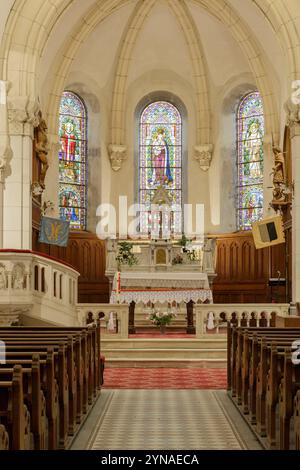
[
  {"x": 183, "y": 242},
  {"x": 125, "y": 255}
]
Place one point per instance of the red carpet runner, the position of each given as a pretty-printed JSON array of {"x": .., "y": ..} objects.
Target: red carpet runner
[{"x": 165, "y": 378}]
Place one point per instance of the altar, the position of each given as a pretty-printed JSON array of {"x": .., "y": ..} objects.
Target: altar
[{"x": 160, "y": 288}]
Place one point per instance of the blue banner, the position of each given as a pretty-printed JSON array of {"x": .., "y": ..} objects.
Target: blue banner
[{"x": 54, "y": 231}]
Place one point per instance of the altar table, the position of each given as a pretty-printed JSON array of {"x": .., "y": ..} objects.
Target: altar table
[{"x": 161, "y": 287}]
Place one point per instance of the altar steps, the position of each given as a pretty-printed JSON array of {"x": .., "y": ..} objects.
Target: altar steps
[{"x": 159, "y": 352}]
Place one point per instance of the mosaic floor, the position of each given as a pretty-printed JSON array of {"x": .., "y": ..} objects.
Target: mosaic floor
[
  {"x": 165, "y": 378},
  {"x": 165, "y": 420}
]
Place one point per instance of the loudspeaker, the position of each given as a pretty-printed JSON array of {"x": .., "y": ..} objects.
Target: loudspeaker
[{"x": 268, "y": 232}]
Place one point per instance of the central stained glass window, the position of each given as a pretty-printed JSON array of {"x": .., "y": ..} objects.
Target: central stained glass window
[
  {"x": 72, "y": 160},
  {"x": 160, "y": 168},
  {"x": 250, "y": 160}
]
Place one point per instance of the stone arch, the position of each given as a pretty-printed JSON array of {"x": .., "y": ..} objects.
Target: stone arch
[
  {"x": 117, "y": 147},
  {"x": 244, "y": 37},
  {"x": 284, "y": 23}
]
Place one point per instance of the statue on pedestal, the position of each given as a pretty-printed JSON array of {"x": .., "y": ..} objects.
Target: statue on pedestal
[
  {"x": 2, "y": 278},
  {"x": 279, "y": 176},
  {"x": 111, "y": 254},
  {"x": 42, "y": 149},
  {"x": 208, "y": 264}
]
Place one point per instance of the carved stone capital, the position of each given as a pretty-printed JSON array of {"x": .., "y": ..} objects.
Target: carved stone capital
[
  {"x": 117, "y": 153},
  {"x": 203, "y": 154},
  {"x": 292, "y": 110},
  {"x": 23, "y": 115}
]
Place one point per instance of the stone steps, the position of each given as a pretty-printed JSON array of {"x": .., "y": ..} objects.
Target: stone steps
[
  {"x": 160, "y": 351},
  {"x": 168, "y": 363},
  {"x": 133, "y": 344},
  {"x": 163, "y": 354}
]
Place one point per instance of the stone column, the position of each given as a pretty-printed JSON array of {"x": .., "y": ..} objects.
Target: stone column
[
  {"x": 17, "y": 210},
  {"x": 293, "y": 121},
  {"x": 295, "y": 141},
  {"x": 5, "y": 150}
]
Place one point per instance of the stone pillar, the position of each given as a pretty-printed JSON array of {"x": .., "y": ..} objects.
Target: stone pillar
[
  {"x": 295, "y": 141},
  {"x": 5, "y": 150},
  {"x": 17, "y": 210}
]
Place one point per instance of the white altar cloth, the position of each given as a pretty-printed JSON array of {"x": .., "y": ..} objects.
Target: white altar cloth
[{"x": 145, "y": 287}]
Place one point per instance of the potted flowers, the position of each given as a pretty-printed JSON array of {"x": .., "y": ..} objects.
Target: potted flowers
[
  {"x": 125, "y": 255},
  {"x": 161, "y": 319}
]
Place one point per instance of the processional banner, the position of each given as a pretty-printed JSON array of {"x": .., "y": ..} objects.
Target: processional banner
[{"x": 54, "y": 231}]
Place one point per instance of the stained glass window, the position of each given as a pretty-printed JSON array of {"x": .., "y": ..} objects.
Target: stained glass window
[
  {"x": 160, "y": 168},
  {"x": 250, "y": 160},
  {"x": 72, "y": 160}
]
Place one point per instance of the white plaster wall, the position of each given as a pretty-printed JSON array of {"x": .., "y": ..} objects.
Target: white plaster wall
[{"x": 161, "y": 46}]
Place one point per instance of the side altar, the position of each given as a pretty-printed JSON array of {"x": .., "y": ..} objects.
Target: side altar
[{"x": 158, "y": 272}]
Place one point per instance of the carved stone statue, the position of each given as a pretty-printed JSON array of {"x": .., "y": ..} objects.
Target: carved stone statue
[
  {"x": 42, "y": 149},
  {"x": 279, "y": 168},
  {"x": 209, "y": 255},
  {"x": 18, "y": 277},
  {"x": 111, "y": 253},
  {"x": 293, "y": 112},
  {"x": 117, "y": 154},
  {"x": 279, "y": 175},
  {"x": 203, "y": 154},
  {"x": 2, "y": 278}
]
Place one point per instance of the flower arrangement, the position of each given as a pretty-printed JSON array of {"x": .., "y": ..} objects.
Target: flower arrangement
[
  {"x": 125, "y": 254},
  {"x": 161, "y": 318},
  {"x": 177, "y": 260}
]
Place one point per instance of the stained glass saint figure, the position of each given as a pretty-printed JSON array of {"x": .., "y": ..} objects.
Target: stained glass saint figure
[
  {"x": 72, "y": 160},
  {"x": 250, "y": 160},
  {"x": 161, "y": 171},
  {"x": 68, "y": 141}
]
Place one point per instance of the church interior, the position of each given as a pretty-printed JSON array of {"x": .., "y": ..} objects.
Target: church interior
[{"x": 149, "y": 225}]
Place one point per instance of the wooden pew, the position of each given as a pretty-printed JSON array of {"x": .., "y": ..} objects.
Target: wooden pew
[
  {"x": 77, "y": 373},
  {"x": 14, "y": 413},
  {"x": 50, "y": 389},
  {"x": 297, "y": 421},
  {"x": 33, "y": 398},
  {"x": 262, "y": 379},
  {"x": 75, "y": 348},
  {"x": 4, "y": 439},
  {"x": 289, "y": 386},
  {"x": 93, "y": 339},
  {"x": 55, "y": 383}
]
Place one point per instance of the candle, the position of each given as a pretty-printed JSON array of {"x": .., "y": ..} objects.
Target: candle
[{"x": 118, "y": 286}]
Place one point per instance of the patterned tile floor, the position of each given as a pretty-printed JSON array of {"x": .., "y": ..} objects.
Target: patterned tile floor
[
  {"x": 165, "y": 420},
  {"x": 165, "y": 378}
]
